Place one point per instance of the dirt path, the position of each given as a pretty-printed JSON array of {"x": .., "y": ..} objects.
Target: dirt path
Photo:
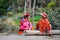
[{"x": 18, "y": 37}]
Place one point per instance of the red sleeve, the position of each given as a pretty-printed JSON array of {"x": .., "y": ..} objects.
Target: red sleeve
[{"x": 21, "y": 22}]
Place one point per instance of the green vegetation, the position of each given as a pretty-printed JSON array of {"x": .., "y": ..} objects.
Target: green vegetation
[
  {"x": 3, "y": 7},
  {"x": 17, "y": 22},
  {"x": 51, "y": 4}
]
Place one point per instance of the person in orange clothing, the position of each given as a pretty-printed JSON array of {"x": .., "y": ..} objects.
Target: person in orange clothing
[{"x": 43, "y": 24}]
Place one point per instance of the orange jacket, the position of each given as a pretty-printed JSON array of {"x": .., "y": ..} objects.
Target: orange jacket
[{"x": 43, "y": 24}]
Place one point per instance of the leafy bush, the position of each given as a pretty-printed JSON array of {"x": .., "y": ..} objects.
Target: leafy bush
[
  {"x": 17, "y": 22},
  {"x": 20, "y": 9},
  {"x": 51, "y": 4},
  {"x": 3, "y": 6},
  {"x": 10, "y": 14},
  {"x": 8, "y": 25}
]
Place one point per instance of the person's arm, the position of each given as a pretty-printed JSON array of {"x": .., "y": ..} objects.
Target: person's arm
[
  {"x": 50, "y": 26},
  {"x": 30, "y": 26}
]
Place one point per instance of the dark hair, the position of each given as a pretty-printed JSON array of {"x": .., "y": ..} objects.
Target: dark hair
[{"x": 26, "y": 17}]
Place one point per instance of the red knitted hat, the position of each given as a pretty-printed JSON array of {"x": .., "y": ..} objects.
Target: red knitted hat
[
  {"x": 43, "y": 14},
  {"x": 26, "y": 15}
]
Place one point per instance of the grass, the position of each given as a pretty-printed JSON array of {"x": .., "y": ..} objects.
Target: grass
[{"x": 17, "y": 22}]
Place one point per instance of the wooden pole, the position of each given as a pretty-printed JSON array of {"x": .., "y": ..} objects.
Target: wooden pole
[
  {"x": 59, "y": 4},
  {"x": 25, "y": 6},
  {"x": 29, "y": 6},
  {"x": 33, "y": 12}
]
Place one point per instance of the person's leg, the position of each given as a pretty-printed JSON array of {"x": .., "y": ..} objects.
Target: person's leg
[
  {"x": 20, "y": 32},
  {"x": 42, "y": 29},
  {"x": 48, "y": 29}
]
